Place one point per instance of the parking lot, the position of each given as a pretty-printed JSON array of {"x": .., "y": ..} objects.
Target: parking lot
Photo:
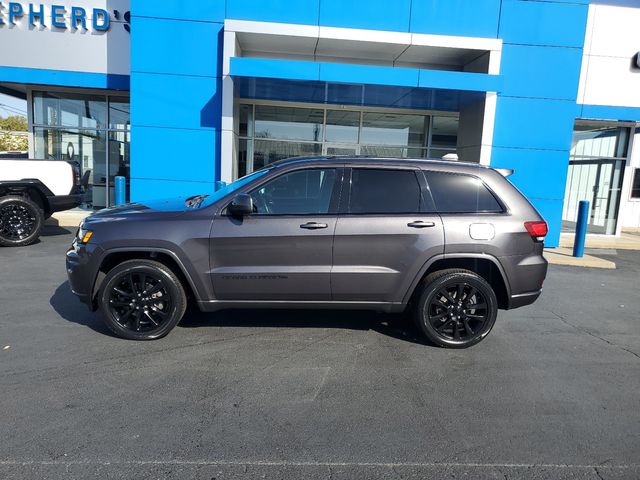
[{"x": 553, "y": 392}]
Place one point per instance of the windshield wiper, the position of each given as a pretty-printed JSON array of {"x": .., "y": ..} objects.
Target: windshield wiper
[{"x": 195, "y": 201}]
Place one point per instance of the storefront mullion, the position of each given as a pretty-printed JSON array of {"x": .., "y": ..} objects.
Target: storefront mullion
[{"x": 338, "y": 130}]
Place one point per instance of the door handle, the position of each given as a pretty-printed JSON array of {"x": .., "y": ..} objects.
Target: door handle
[
  {"x": 313, "y": 225},
  {"x": 421, "y": 224}
]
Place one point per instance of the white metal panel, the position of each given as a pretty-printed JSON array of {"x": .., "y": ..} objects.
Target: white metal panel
[{"x": 67, "y": 49}]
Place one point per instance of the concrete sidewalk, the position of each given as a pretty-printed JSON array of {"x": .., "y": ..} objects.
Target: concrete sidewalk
[
  {"x": 564, "y": 256},
  {"x": 626, "y": 241},
  {"x": 68, "y": 218}
]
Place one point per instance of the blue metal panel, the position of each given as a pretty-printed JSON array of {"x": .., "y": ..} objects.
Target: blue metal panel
[
  {"x": 537, "y": 173},
  {"x": 64, "y": 78},
  {"x": 156, "y": 102},
  {"x": 543, "y": 23},
  {"x": 475, "y": 18},
  {"x": 284, "y": 11},
  {"x": 176, "y": 47},
  {"x": 533, "y": 123},
  {"x": 198, "y": 10},
  {"x": 362, "y": 74},
  {"x": 269, "y": 68},
  {"x": 551, "y": 211},
  {"x": 605, "y": 112},
  {"x": 541, "y": 176},
  {"x": 143, "y": 189},
  {"x": 372, "y": 14},
  {"x": 368, "y": 74},
  {"x": 476, "y": 82},
  {"x": 176, "y": 154},
  {"x": 543, "y": 72}
]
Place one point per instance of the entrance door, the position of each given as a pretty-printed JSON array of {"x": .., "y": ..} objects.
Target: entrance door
[
  {"x": 599, "y": 181},
  {"x": 284, "y": 251}
]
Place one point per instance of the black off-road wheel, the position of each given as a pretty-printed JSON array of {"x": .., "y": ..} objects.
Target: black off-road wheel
[
  {"x": 21, "y": 221},
  {"x": 456, "y": 309},
  {"x": 141, "y": 300}
]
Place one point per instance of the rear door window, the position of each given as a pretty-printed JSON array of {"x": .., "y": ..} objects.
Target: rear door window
[
  {"x": 459, "y": 193},
  {"x": 384, "y": 191}
]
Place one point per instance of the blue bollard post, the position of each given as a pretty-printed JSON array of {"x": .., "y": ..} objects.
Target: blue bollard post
[
  {"x": 581, "y": 228},
  {"x": 121, "y": 190}
]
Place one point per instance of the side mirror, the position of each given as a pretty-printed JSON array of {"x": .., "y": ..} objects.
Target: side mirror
[{"x": 241, "y": 205}]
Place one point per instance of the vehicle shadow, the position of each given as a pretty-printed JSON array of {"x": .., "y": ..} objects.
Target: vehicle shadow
[
  {"x": 52, "y": 230},
  {"x": 399, "y": 326},
  {"x": 67, "y": 305}
]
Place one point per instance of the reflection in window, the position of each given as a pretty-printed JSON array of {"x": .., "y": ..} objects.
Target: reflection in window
[
  {"x": 269, "y": 151},
  {"x": 393, "y": 129},
  {"x": 444, "y": 132},
  {"x": 288, "y": 123},
  {"x": 342, "y": 126}
]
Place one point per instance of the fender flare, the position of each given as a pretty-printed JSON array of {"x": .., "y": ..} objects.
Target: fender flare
[
  {"x": 97, "y": 279},
  {"x": 453, "y": 256}
]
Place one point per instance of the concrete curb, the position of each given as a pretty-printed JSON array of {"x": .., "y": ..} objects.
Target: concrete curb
[
  {"x": 564, "y": 256},
  {"x": 68, "y": 218}
]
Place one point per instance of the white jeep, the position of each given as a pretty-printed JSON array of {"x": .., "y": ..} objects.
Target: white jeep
[{"x": 30, "y": 191}]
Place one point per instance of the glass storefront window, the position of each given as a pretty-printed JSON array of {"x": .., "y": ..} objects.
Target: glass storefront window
[
  {"x": 92, "y": 130},
  {"x": 342, "y": 126},
  {"x": 269, "y": 151},
  {"x": 444, "y": 132},
  {"x": 119, "y": 113},
  {"x": 289, "y": 123},
  {"x": 268, "y": 133},
  {"x": 393, "y": 129},
  {"x": 68, "y": 110}
]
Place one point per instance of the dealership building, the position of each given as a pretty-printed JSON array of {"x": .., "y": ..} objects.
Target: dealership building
[{"x": 179, "y": 94}]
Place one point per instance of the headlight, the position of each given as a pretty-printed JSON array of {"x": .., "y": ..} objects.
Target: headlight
[{"x": 84, "y": 235}]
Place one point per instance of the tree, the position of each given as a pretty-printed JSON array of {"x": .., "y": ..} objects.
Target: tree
[{"x": 13, "y": 134}]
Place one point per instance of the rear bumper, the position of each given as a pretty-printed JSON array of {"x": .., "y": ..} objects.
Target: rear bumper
[
  {"x": 59, "y": 203},
  {"x": 522, "y": 299}
]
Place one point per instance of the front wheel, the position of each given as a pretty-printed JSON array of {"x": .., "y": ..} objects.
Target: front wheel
[
  {"x": 457, "y": 308},
  {"x": 142, "y": 300}
]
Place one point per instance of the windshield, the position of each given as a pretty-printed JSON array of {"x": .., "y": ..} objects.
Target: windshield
[{"x": 231, "y": 187}]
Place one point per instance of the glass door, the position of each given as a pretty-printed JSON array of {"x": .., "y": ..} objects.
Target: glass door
[{"x": 599, "y": 182}]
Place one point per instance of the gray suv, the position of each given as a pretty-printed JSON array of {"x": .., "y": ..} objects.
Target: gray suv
[{"x": 453, "y": 241}]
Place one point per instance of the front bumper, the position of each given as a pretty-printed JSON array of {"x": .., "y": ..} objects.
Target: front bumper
[{"x": 81, "y": 271}]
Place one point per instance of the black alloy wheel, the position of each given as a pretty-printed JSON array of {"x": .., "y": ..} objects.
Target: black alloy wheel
[
  {"x": 457, "y": 308},
  {"x": 142, "y": 299},
  {"x": 21, "y": 221}
]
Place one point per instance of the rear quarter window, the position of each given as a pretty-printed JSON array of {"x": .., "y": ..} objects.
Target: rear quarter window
[{"x": 460, "y": 193}]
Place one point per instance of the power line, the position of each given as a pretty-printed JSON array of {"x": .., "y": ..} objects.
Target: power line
[{"x": 11, "y": 109}]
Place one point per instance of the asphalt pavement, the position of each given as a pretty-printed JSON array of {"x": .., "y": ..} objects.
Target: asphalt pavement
[{"x": 553, "y": 392}]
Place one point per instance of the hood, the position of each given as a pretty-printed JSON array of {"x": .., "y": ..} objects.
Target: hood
[{"x": 166, "y": 208}]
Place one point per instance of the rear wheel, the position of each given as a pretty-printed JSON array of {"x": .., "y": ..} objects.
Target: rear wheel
[
  {"x": 457, "y": 308},
  {"x": 21, "y": 221},
  {"x": 142, "y": 300}
]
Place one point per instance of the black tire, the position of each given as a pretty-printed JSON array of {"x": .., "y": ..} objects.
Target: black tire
[
  {"x": 148, "y": 285},
  {"x": 442, "y": 311},
  {"x": 21, "y": 221}
]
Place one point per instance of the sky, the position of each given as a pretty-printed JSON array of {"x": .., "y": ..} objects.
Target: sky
[{"x": 12, "y": 106}]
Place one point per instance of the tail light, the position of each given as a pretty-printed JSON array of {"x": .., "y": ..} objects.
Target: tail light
[{"x": 538, "y": 230}]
